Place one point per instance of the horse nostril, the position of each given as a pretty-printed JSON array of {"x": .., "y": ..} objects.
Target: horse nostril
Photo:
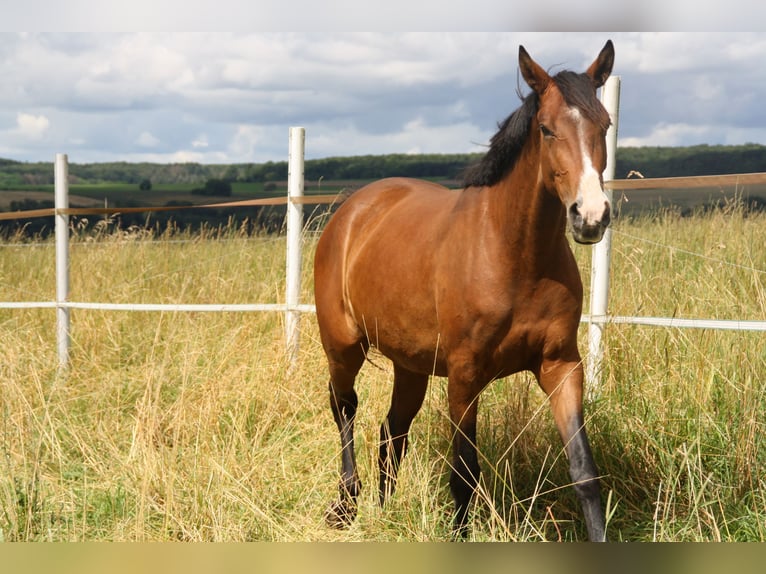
[{"x": 574, "y": 214}]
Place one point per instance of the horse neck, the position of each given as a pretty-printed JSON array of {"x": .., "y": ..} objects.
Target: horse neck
[{"x": 531, "y": 218}]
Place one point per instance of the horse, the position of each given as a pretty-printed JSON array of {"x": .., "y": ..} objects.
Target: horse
[{"x": 472, "y": 284}]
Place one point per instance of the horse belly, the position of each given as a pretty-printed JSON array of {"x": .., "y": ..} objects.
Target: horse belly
[
  {"x": 393, "y": 304},
  {"x": 406, "y": 336}
]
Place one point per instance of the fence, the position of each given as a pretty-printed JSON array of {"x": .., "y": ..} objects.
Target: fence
[
  {"x": 291, "y": 307},
  {"x": 597, "y": 318}
]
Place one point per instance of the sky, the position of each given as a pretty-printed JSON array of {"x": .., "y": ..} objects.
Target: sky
[{"x": 230, "y": 97}]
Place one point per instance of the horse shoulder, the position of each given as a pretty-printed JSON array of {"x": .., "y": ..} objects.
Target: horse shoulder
[{"x": 559, "y": 308}]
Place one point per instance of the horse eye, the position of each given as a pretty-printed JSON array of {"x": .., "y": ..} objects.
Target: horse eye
[{"x": 546, "y": 131}]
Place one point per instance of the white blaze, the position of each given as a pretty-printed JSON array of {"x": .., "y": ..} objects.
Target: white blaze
[{"x": 591, "y": 199}]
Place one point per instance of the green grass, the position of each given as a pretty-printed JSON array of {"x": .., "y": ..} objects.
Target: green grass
[{"x": 191, "y": 426}]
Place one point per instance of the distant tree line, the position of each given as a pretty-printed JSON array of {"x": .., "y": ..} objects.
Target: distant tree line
[
  {"x": 15, "y": 173},
  {"x": 649, "y": 161},
  {"x": 447, "y": 166}
]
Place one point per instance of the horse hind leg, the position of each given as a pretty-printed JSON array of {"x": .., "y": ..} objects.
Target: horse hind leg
[
  {"x": 343, "y": 403},
  {"x": 406, "y": 400}
]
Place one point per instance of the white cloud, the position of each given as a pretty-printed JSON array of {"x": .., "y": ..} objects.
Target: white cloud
[
  {"x": 200, "y": 141},
  {"x": 415, "y": 137},
  {"x": 666, "y": 134},
  {"x": 245, "y": 142},
  {"x": 31, "y": 126},
  {"x": 146, "y": 139}
]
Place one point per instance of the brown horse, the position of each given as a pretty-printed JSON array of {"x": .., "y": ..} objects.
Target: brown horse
[{"x": 473, "y": 284}]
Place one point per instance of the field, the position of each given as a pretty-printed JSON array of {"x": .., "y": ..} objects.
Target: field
[
  {"x": 161, "y": 194},
  {"x": 191, "y": 426}
]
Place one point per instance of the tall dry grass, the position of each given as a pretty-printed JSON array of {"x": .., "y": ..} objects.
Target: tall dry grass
[{"x": 191, "y": 426}]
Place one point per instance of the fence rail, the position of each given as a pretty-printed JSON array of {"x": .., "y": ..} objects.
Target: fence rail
[
  {"x": 155, "y": 307},
  {"x": 678, "y": 322},
  {"x": 687, "y": 182}
]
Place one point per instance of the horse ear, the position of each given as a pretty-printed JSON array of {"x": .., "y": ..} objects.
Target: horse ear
[
  {"x": 534, "y": 75},
  {"x": 602, "y": 66}
]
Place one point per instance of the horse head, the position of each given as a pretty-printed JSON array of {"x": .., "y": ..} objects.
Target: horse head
[{"x": 571, "y": 125}]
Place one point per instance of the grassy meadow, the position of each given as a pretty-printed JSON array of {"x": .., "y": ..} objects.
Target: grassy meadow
[{"x": 191, "y": 426}]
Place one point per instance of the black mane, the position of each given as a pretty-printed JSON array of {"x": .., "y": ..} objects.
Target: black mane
[{"x": 505, "y": 146}]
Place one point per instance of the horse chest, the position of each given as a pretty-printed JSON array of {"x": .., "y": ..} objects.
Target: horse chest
[{"x": 511, "y": 331}]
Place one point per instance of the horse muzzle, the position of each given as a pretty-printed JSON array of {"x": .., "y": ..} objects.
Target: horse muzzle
[{"x": 586, "y": 228}]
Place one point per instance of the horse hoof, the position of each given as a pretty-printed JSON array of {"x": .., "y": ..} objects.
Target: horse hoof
[{"x": 340, "y": 515}]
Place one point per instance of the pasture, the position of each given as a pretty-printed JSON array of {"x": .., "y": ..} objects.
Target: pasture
[{"x": 182, "y": 426}]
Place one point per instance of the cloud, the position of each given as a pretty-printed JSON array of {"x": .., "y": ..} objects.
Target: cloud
[
  {"x": 665, "y": 134},
  {"x": 225, "y": 97},
  {"x": 416, "y": 136},
  {"x": 31, "y": 126},
  {"x": 146, "y": 139},
  {"x": 200, "y": 141}
]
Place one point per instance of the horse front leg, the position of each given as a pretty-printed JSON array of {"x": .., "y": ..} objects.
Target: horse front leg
[
  {"x": 463, "y": 410},
  {"x": 563, "y": 382}
]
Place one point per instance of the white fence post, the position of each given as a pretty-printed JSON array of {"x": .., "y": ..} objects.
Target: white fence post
[
  {"x": 294, "y": 229},
  {"x": 61, "y": 201},
  {"x": 602, "y": 251}
]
